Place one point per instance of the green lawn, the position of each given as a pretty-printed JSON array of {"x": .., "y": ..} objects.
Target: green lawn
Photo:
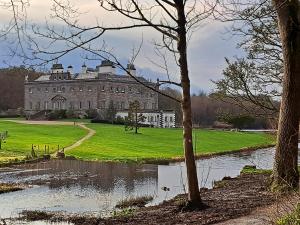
[
  {"x": 22, "y": 136},
  {"x": 111, "y": 142}
]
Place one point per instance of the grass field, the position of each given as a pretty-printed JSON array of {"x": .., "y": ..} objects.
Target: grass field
[
  {"x": 22, "y": 136},
  {"x": 111, "y": 142}
]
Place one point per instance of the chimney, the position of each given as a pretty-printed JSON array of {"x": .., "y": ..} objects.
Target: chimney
[
  {"x": 107, "y": 66},
  {"x": 131, "y": 69},
  {"x": 84, "y": 68},
  {"x": 70, "y": 70}
]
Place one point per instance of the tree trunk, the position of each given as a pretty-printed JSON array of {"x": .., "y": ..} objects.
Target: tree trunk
[
  {"x": 285, "y": 171},
  {"x": 193, "y": 187}
]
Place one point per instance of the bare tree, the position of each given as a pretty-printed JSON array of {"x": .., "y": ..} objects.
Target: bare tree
[
  {"x": 14, "y": 30},
  {"x": 174, "y": 20},
  {"x": 285, "y": 172},
  {"x": 255, "y": 78}
]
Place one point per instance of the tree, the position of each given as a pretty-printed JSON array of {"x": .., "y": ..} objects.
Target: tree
[
  {"x": 285, "y": 172},
  {"x": 256, "y": 78},
  {"x": 135, "y": 118},
  {"x": 174, "y": 20},
  {"x": 273, "y": 50},
  {"x": 110, "y": 112}
]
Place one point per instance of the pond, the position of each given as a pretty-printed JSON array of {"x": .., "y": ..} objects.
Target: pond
[{"x": 94, "y": 188}]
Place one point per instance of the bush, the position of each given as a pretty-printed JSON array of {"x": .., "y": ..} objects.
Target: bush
[
  {"x": 91, "y": 114},
  {"x": 70, "y": 114},
  {"x": 57, "y": 114},
  {"x": 119, "y": 121}
]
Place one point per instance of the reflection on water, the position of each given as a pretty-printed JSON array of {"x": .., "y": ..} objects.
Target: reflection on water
[{"x": 94, "y": 188}]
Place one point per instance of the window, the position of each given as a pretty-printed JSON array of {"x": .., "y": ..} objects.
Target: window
[
  {"x": 71, "y": 105},
  {"x": 45, "y": 105},
  {"x": 103, "y": 105},
  {"x": 145, "y": 105},
  {"x": 166, "y": 119},
  {"x": 72, "y": 89},
  {"x": 80, "y": 105},
  {"x": 171, "y": 119},
  {"x": 117, "y": 89},
  {"x": 39, "y": 89},
  {"x": 151, "y": 119},
  {"x": 54, "y": 89},
  {"x": 30, "y": 105},
  {"x": 153, "y": 105},
  {"x": 122, "y": 105},
  {"x": 103, "y": 88},
  {"x": 46, "y": 90},
  {"x": 111, "y": 89},
  {"x": 89, "y": 104},
  {"x": 80, "y": 88},
  {"x": 89, "y": 88},
  {"x": 38, "y": 105},
  {"x": 30, "y": 90},
  {"x": 63, "y": 89}
]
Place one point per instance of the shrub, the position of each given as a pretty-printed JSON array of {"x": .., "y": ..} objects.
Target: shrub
[
  {"x": 57, "y": 114},
  {"x": 70, "y": 114},
  {"x": 91, "y": 114}
]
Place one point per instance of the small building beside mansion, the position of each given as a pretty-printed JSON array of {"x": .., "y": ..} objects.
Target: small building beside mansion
[{"x": 94, "y": 89}]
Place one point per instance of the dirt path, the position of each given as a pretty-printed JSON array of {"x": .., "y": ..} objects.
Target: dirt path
[
  {"x": 90, "y": 133},
  {"x": 269, "y": 214}
]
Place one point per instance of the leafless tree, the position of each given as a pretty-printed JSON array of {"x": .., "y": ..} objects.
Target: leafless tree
[
  {"x": 255, "y": 78},
  {"x": 174, "y": 20},
  {"x": 14, "y": 29}
]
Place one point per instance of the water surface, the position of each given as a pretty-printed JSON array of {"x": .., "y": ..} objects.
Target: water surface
[{"x": 94, "y": 188}]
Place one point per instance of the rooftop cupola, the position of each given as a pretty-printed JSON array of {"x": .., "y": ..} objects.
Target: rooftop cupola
[
  {"x": 84, "y": 68},
  {"x": 70, "y": 70},
  {"x": 57, "y": 68},
  {"x": 107, "y": 66},
  {"x": 131, "y": 69}
]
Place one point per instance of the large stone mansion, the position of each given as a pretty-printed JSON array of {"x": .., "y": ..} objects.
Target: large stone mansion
[{"x": 94, "y": 89}]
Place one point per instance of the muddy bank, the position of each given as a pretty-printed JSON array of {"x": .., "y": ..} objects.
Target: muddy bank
[{"x": 231, "y": 198}]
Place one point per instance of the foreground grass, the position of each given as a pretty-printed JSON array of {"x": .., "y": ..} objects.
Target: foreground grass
[
  {"x": 111, "y": 142},
  {"x": 139, "y": 201},
  {"x": 22, "y": 136}
]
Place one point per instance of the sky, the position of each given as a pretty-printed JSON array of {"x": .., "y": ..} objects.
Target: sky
[{"x": 208, "y": 47}]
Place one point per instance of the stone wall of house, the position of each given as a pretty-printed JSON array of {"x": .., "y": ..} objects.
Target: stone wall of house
[{"x": 82, "y": 95}]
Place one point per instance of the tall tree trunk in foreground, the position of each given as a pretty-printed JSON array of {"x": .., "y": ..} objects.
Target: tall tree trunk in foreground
[
  {"x": 193, "y": 186},
  {"x": 285, "y": 171}
]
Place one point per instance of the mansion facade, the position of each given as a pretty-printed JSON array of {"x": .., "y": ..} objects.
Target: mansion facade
[{"x": 94, "y": 89}]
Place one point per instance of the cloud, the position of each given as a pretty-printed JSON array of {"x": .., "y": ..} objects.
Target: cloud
[{"x": 206, "y": 51}]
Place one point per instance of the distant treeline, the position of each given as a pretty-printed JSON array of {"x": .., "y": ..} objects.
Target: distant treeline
[
  {"x": 209, "y": 111},
  {"x": 12, "y": 86}
]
